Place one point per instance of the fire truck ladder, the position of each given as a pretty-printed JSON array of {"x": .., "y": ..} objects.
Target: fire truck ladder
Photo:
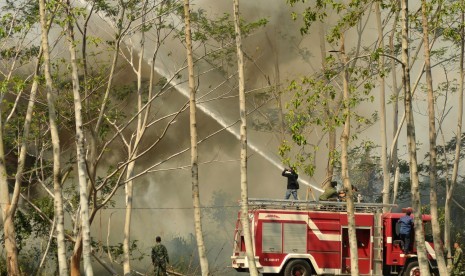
[
  {"x": 332, "y": 206},
  {"x": 378, "y": 243}
]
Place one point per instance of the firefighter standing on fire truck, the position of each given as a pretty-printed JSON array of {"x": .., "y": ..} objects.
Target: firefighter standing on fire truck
[
  {"x": 406, "y": 225},
  {"x": 292, "y": 184}
]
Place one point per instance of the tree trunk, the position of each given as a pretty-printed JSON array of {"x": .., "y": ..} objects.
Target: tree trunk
[
  {"x": 80, "y": 150},
  {"x": 94, "y": 142},
  {"x": 331, "y": 130},
  {"x": 194, "y": 153},
  {"x": 57, "y": 189},
  {"x": 413, "y": 164},
  {"x": 345, "y": 167},
  {"x": 9, "y": 235},
  {"x": 382, "y": 95},
  {"x": 127, "y": 220},
  {"x": 394, "y": 162},
  {"x": 75, "y": 265},
  {"x": 243, "y": 132},
  {"x": 432, "y": 147},
  {"x": 458, "y": 140},
  {"x": 133, "y": 149}
]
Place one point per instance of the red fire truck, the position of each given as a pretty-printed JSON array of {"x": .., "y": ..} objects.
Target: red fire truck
[{"x": 311, "y": 238}]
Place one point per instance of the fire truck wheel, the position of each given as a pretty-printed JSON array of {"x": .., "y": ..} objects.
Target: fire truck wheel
[
  {"x": 413, "y": 269},
  {"x": 298, "y": 268}
]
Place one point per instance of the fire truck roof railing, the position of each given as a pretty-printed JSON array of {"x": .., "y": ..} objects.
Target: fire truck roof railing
[{"x": 334, "y": 206}]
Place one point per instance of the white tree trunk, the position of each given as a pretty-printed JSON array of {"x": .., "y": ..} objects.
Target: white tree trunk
[
  {"x": 413, "y": 164},
  {"x": 133, "y": 150},
  {"x": 194, "y": 153},
  {"x": 345, "y": 167},
  {"x": 331, "y": 130},
  {"x": 394, "y": 163},
  {"x": 80, "y": 149},
  {"x": 57, "y": 191},
  {"x": 382, "y": 111},
  {"x": 93, "y": 138},
  {"x": 8, "y": 224},
  {"x": 127, "y": 220},
  {"x": 458, "y": 140},
  {"x": 432, "y": 147},
  {"x": 243, "y": 132}
]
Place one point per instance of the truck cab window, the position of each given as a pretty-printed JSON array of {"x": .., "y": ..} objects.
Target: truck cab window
[{"x": 428, "y": 231}]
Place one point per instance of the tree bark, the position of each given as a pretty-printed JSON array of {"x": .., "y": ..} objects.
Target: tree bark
[
  {"x": 332, "y": 136},
  {"x": 458, "y": 141},
  {"x": 132, "y": 152},
  {"x": 194, "y": 152},
  {"x": 127, "y": 220},
  {"x": 80, "y": 148},
  {"x": 382, "y": 103},
  {"x": 243, "y": 133},
  {"x": 432, "y": 147},
  {"x": 94, "y": 142},
  {"x": 57, "y": 189},
  {"x": 75, "y": 264},
  {"x": 411, "y": 141},
  {"x": 394, "y": 161},
  {"x": 345, "y": 167}
]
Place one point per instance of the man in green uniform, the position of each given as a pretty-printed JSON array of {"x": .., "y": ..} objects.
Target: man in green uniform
[
  {"x": 159, "y": 258},
  {"x": 457, "y": 260},
  {"x": 330, "y": 192}
]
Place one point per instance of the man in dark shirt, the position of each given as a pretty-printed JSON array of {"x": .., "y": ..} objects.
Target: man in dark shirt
[
  {"x": 406, "y": 224},
  {"x": 292, "y": 184}
]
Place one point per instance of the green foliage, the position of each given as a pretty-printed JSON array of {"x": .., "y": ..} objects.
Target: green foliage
[
  {"x": 317, "y": 105},
  {"x": 117, "y": 251},
  {"x": 349, "y": 15},
  {"x": 30, "y": 227},
  {"x": 217, "y": 35},
  {"x": 183, "y": 253},
  {"x": 317, "y": 102},
  {"x": 108, "y": 183},
  {"x": 268, "y": 117},
  {"x": 365, "y": 170},
  {"x": 445, "y": 159},
  {"x": 17, "y": 18}
]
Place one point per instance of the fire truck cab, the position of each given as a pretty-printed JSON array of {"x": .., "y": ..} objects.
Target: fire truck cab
[{"x": 311, "y": 238}]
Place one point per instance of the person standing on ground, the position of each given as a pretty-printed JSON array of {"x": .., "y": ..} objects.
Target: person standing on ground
[
  {"x": 457, "y": 260},
  {"x": 159, "y": 258},
  {"x": 330, "y": 193},
  {"x": 292, "y": 183},
  {"x": 406, "y": 224}
]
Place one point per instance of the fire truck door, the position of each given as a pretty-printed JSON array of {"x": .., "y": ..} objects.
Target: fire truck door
[{"x": 364, "y": 251}]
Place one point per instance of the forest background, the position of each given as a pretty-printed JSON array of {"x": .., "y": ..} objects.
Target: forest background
[{"x": 104, "y": 132}]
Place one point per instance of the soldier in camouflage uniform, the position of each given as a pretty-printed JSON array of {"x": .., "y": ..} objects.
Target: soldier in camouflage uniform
[
  {"x": 159, "y": 258},
  {"x": 457, "y": 260}
]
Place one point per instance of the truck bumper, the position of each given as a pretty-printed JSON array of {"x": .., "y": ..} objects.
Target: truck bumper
[{"x": 240, "y": 263}]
